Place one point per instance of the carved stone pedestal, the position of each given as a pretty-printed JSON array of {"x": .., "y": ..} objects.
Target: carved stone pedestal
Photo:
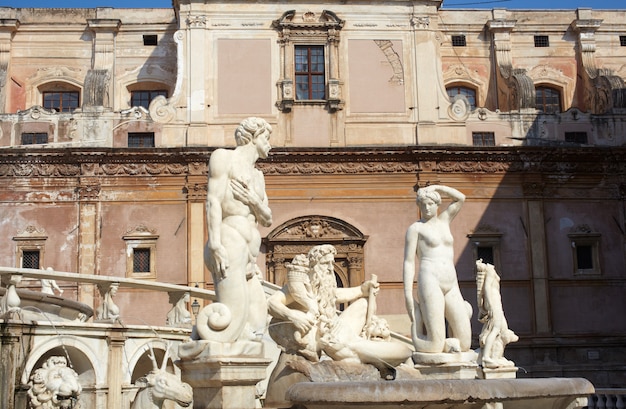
[
  {"x": 223, "y": 375},
  {"x": 506, "y": 372},
  {"x": 460, "y": 365}
]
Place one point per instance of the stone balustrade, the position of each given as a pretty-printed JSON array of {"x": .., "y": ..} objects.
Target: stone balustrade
[
  {"x": 608, "y": 399},
  {"x": 11, "y": 302}
]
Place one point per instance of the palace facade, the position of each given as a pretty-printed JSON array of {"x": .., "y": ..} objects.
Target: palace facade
[{"x": 109, "y": 117}]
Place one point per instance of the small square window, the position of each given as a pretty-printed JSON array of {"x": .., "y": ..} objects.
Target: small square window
[
  {"x": 486, "y": 245},
  {"x": 141, "y": 260},
  {"x": 576, "y": 137},
  {"x": 459, "y": 40},
  {"x": 149, "y": 39},
  {"x": 31, "y": 259},
  {"x": 141, "y": 139},
  {"x": 141, "y": 245},
  {"x": 622, "y": 41},
  {"x": 585, "y": 250},
  {"x": 542, "y": 41},
  {"x": 483, "y": 139},
  {"x": 34, "y": 138}
]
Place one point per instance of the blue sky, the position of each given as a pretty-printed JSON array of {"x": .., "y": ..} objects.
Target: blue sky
[{"x": 489, "y": 4}]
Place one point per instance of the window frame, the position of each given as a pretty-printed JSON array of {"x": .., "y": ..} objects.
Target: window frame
[
  {"x": 61, "y": 108},
  {"x": 309, "y": 29},
  {"x": 557, "y": 92},
  {"x": 35, "y": 138},
  {"x": 491, "y": 137},
  {"x": 460, "y": 88},
  {"x": 151, "y": 94},
  {"x": 141, "y": 136},
  {"x": 30, "y": 239},
  {"x": 576, "y": 137},
  {"x": 487, "y": 236},
  {"x": 310, "y": 73},
  {"x": 583, "y": 236},
  {"x": 458, "y": 40},
  {"x": 541, "y": 41},
  {"x": 140, "y": 238}
]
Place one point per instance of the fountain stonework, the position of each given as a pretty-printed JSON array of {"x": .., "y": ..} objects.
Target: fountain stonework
[
  {"x": 328, "y": 358},
  {"x": 347, "y": 359}
]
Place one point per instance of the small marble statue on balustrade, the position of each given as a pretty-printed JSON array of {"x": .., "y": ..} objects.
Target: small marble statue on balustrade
[
  {"x": 108, "y": 311},
  {"x": 495, "y": 334},
  {"x": 48, "y": 285},
  {"x": 179, "y": 316},
  {"x": 439, "y": 298}
]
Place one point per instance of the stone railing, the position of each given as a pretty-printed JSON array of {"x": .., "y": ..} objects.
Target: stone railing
[
  {"x": 179, "y": 295},
  {"x": 607, "y": 399}
]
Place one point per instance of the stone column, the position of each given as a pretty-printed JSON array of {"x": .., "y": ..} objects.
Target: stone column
[
  {"x": 196, "y": 188},
  {"x": 538, "y": 261},
  {"x": 197, "y": 50},
  {"x": 223, "y": 375},
  {"x": 88, "y": 213},
  {"x": 9, "y": 349},
  {"x": 116, "y": 342},
  {"x": 7, "y": 28}
]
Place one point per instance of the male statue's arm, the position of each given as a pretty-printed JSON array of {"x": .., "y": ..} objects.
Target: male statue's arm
[
  {"x": 277, "y": 306},
  {"x": 257, "y": 204},
  {"x": 216, "y": 190}
]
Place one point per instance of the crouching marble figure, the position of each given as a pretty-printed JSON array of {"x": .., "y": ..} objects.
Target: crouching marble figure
[
  {"x": 306, "y": 323},
  {"x": 495, "y": 334}
]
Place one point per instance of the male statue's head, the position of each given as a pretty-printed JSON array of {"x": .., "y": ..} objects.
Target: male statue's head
[{"x": 251, "y": 128}]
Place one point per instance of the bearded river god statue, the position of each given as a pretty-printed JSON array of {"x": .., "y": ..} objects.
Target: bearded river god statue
[{"x": 317, "y": 341}]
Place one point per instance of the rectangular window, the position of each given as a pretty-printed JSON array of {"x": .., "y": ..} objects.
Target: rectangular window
[
  {"x": 576, "y": 137},
  {"x": 310, "y": 73},
  {"x": 30, "y": 259},
  {"x": 485, "y": 253},
  {"x": 149, "y": 39},
  {"x": 459, "y": 41},
  {"x": 141, "y": 139},
  {"x": 622, "y": 41},
  {"x": 61, "y": 101},
  {"x": 542, "y": 41},
  {"x": 584, "y": 257},
  {"x": 483, "y": 139},
  {"x": 141, "y": 260},
  {"x": 143, "y": 98},
  {"x": 34, "y": 138}
]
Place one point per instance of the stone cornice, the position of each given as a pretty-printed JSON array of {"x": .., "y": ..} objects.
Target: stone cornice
[{"x": 95, "y": 162}]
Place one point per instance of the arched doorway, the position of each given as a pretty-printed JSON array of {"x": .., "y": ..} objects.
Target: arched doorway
[{"x": 297, "y": 236}]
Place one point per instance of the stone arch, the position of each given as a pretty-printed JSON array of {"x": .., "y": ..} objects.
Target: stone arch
[
  {"x": 45, "y": 78},
  {"x": 143, "y": 78},
  {"x": 298, "y": 235},
  {"x": 81, "y": 356},
  {"x": 140, "y": 363}
]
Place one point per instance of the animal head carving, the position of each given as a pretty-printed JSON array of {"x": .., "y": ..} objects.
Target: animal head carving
[
  {"x": 159, "y": 385},
  {"x": 54, "y": 385}
]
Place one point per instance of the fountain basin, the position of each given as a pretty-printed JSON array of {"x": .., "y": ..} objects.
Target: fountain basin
[{"x": 553, "y": 393}]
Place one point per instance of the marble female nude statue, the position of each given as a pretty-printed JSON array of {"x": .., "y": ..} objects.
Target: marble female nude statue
[
  {"x": 439, "y": 298},
  {"x": 236, "y": 203}
]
